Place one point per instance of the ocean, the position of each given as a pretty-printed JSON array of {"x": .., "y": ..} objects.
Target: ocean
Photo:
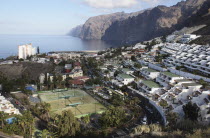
[{"x": 48, "y": 43}]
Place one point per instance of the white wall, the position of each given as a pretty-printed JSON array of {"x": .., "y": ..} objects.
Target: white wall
[{"x": 188, "y": 75}]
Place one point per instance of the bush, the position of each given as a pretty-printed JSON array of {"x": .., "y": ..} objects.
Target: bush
[{"x": 155, "y": 127}]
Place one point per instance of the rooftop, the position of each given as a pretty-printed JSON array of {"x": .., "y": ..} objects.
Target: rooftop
[
  {"x": 191, "y": 84},
  {"x": 151, "y": 84},
  {"x": 169, "y": 74},
  {"x": 183, "y": 80},
  {"x": 150, "y": 70},
  {"x": 125, "y": 76},
  {"x": 126, "y": 69}
]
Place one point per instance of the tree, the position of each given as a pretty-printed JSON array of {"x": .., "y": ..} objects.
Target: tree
[
  {"x": 67, "y": 124},
  {"x": 158, "y": 58},
  {"x": 89, "y": 82},
  {"x": 54, "y": 81},
  {"x": 117, "y": 100},
  {"x": 52, "y": 59},
  {"x": 172, "y": 118},
  {"x": 191, "y": 111},
  {"x": 204, "y": 83},
  {"x": 25, "y": 123},
  {"x": 116, "y": 73},
  {"x": 133, "y": 58},
  {"x": 113, "y": 117},
  {"x": 44, "y": 134},
  {"x": 136, "y": 100},
  {"x": 136, "y": 65},
  {"x": 45, "y": 109},
  {"x": 86, "y": 119},
  {"x": 163, "y": 103},
  {"x": 59, "y": 79},
  {"x": 38, "y": 51},
  {"x": 124, "y": 88},
  {"x": 3, "y": 116}
]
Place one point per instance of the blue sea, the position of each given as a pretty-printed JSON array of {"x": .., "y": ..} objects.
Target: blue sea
[{"x": 9, "y": 44}]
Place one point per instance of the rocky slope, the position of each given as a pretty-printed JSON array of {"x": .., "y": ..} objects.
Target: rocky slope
[{"x": 122, "y": 28}]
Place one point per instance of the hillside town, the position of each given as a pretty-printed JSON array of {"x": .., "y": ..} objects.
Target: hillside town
[{"x": 166, "y": 77}]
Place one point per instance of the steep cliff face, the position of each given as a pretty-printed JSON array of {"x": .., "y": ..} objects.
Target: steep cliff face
[
  {"x": 159, "y": 21},
  {"x": 76, "y": 31},
  {"x": 123, "y": 28},
  {"x": 95, "y": 27}
]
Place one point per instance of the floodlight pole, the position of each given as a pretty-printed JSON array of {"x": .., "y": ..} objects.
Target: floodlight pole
[
  {"x": 95, "y": 107},
  {"x": 58, "y": 100}
]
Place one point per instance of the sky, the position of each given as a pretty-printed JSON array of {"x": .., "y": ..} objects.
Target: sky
[{"x": 57, "y": 17}]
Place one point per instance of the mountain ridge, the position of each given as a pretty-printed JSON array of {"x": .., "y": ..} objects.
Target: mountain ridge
[{"x": 127, "y": 28}]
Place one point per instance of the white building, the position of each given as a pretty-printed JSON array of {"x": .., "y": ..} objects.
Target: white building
[
  {"x": 149, "y": 86},
  {"x": 139, "y": 46},
  {"x": 186, "y": 38},
  {"x": 25, "y": 51},
  {"x": 125, "y": 78},
  {"x": 127, "y": 71},
  {"x": 7, "y": 107},
  {"x": 193, "y": 57},
  {"x": 166, "y": 79},
  {"x": 171, "y": 38},
  {"x": 149, "y": 73},
  {"x": 65, "y": 55}
]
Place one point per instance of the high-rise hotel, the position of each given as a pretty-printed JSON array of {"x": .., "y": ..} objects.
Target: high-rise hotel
[{"x": 25, "y": 51}]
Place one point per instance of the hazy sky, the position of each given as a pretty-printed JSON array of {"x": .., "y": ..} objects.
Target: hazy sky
[{"x": 57, "y": 17}]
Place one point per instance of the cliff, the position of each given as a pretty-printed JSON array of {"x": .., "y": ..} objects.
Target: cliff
[{"x": 124, "y": 28}]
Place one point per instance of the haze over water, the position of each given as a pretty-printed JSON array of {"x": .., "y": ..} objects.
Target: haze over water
[{"x": 9, "y": 43}]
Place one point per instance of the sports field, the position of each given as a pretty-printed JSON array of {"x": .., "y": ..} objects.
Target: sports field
[{"x": 78, "y": 101}]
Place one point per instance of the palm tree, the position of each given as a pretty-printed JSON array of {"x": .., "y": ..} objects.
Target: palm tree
[
  {"x": 45, "y": 109},
  {"x": 45, "y": 134},
  {"x": 59, "y": 80},
  {"x": 67, "y": 124},
  {"x": 26, "y": 122},
  {"x": 63, "y": 84}
]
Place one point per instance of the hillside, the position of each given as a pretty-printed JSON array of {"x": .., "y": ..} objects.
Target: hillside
[
  {"x": 123, "y": 28},
  {"x": 95, "y": 27},
  {"x": 32, "y": 70}
]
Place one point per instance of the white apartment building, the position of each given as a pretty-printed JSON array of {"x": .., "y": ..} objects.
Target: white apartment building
[
  {"x": 166, "y": 79},
  {"x": 186, "y": 38},
  {"x": 127, "y": 71},
  {"x": 25, "y": 51},
  {"x": 202, "y": 100},
  {"x": 125, "y": 78},
  {"x": 149, "y": 87},
  {"x": 149, "y": 73},
  {"x": 7, "y": 107},
  {"x": 64, "y": 55},
  {"x": 193, "y": 57}
]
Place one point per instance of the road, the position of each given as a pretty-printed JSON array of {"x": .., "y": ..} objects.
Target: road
[{"x": 19, "y": 106}]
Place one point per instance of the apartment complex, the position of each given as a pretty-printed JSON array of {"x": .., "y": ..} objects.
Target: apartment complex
[
  {"x": 192, "y": 57},
  {"x": 25, "y": 51}
]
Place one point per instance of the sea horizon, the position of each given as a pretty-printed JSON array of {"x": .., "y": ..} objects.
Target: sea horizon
[{"x": 48, "y": 43}]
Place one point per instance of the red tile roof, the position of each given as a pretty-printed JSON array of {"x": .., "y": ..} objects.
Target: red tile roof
[
  {"x": 77, "y": 82},
  {"x": 77, "y": 64}
]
